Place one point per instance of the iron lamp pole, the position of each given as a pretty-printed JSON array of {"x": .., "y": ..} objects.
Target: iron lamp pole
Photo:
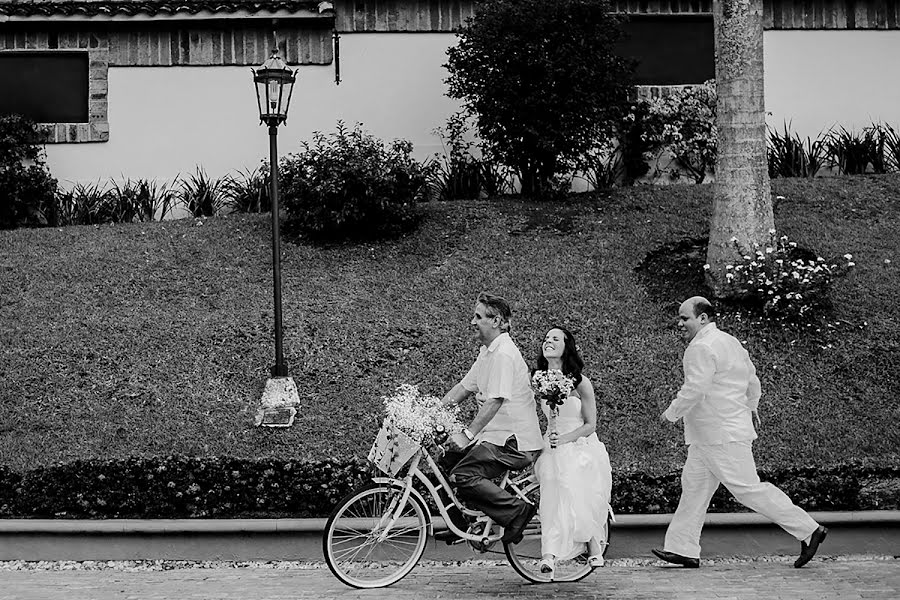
[{"x": 274, "y": 85}]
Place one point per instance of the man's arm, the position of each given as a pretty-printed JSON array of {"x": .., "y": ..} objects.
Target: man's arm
[
  {"x": 486, "y": 412},
  {"x": 754, "y": 391},
  {"x": 456, "y": 395},
  {"x": 699, "y": 368}
]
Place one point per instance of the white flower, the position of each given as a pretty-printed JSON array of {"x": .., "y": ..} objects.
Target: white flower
[
  {"x": 771, "y": 232},
  {"x": 729, "y": 276},
  {"x": 769, "y": 250},
  {"x": 851, "y": 264},
  {"x": 417, "y": 415},
  {"x": 848, "y": 256},
  {"x": 778, "y": 261},
  {"x": 729, "y": 267},
  {"x": 792, "y": 244},
  {"x": 706, "y": 267}
]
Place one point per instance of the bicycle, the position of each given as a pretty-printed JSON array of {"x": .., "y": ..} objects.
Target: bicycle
[{"x": 377, "y": 534}]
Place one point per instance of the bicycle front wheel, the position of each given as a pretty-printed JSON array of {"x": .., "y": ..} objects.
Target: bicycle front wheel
[
  {"x": 525, "y": 556},
  {"x": 359, "y": 547}
]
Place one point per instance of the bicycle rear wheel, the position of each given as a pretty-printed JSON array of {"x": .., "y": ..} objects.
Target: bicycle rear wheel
[
  {"x": 525, "y": 556},
  {"x": 356, "y": 547}
]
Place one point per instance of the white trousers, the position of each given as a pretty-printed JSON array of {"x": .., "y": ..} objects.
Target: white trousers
[{"x": 731, "y": 464}]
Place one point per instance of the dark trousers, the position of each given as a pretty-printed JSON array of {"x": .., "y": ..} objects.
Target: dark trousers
[{"x": 472, "y": 470}]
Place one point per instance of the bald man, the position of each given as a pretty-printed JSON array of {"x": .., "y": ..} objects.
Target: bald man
[{"x": 718, "y": 402}]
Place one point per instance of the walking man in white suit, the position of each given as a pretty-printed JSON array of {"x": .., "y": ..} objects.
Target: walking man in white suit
[{"x": 718, "y": 402}]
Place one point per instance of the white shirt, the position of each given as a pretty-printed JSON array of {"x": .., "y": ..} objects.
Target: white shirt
[
  {"x": 720, "y": 390},
  {"x": 501, "y": 372}
]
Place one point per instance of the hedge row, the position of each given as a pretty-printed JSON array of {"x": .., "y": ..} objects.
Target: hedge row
[{"x": 184, "y": 487}]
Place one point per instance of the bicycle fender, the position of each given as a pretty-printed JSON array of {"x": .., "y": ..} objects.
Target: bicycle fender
[{"x": 413, "y": 492}]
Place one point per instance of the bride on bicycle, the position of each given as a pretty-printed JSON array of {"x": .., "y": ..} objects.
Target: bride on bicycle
[{"x": 574, "y": 469}]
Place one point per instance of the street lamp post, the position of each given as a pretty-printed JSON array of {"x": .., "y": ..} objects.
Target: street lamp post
[{"x": 274, "y": 86}]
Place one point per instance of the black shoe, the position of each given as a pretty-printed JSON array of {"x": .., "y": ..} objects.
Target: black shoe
[
  {"x": 514, "y": 532},
  {"x": 677, "y": 559},
  {"x": 807, "y": 551}
]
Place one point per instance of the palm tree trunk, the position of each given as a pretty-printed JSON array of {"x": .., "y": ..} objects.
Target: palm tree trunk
[{"x": 742, "y": 200}]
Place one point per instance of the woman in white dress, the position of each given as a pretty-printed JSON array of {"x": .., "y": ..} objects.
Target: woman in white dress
[{"x": 573, "y": 469}]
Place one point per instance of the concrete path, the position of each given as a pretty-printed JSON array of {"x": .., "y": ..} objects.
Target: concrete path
[{"x": 826, "y": 578}]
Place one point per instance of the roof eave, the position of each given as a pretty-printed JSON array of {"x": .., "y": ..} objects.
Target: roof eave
[{"x": 202, "y": 15}]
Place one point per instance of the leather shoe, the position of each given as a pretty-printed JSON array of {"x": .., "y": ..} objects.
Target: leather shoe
[
  {"x": 807, "y": 551},
  {"x": 514, "y": 532},
  {"x": 677, "y": 559}
]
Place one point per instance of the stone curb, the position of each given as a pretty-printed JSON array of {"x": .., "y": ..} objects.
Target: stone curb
[{"x": 127, "y": 526}]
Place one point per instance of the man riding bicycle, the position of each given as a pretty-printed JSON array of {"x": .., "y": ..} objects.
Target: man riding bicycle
[{"x": 504, "y": 435}]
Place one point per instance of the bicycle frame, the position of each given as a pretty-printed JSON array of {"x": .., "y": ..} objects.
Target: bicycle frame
[{"x": 414, "y": 473}]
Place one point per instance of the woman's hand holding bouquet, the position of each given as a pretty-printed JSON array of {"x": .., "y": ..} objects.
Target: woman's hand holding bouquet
[{"x": 553, "y": 387}]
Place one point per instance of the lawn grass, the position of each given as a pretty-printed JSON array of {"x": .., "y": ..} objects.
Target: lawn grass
[{"x": 154, "y": 339}]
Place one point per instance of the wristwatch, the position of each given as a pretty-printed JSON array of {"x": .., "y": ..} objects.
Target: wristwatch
[{"x": 468, "y": 434}]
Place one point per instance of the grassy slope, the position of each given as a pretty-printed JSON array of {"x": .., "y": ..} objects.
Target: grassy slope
[{"x": 151, "y": 339}]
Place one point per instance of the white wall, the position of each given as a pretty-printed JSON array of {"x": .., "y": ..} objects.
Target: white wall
[
  {"x": 817, "y": 79},
  {"x": 167, "y": 120}
]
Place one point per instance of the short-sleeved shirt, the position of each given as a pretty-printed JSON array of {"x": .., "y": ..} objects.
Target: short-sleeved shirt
[{"x": 501, "y": 372}]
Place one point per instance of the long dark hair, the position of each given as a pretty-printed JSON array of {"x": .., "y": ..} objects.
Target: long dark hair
[{"x": 572, "y": 363}]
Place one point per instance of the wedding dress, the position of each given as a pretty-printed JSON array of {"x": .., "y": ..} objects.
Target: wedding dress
[{"x": 576, "y": 484}]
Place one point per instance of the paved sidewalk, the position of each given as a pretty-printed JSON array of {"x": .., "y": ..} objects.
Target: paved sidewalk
[{"x": 841, "y": 578}]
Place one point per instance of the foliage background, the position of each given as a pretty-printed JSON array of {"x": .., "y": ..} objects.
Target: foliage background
[{"x": 152, "y": 339}]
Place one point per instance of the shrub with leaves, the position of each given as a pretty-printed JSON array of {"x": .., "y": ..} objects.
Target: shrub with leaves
[
  {"x": 543, "y": 81},
  {"x": 248, "y": 191},
  {"x": 202, "y": 195},
  {"x": 782, "y": 279},
  {"x": 855, "y": 153},
  {"x": 789, "y": 156},
  {"x": 684, "y": 124},
  {"x": 351, "y": 185},
  {"x": 26, "y": 185}
]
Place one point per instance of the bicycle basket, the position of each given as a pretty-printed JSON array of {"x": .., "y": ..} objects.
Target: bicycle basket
[{"x": 392, "y": 449}]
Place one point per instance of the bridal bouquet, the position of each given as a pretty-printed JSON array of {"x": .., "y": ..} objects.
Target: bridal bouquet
[
  {"x": 553, "y": 387},
  {"x": 411, "y": 420}
]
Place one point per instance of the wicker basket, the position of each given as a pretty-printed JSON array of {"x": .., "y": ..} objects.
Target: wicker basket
[{"x": 392, "y": 449}]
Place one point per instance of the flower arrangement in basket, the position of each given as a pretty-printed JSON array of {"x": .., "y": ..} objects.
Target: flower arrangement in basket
[
  {"x": 552, "y": 386},
  {"x": 412, "y": 419}
]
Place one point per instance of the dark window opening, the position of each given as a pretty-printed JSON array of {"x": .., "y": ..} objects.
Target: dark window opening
[
  {"x": 670, "y": 50},
  {"x": 47, "y": 87}
]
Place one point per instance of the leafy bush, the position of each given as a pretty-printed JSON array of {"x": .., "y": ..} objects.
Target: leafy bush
[
  {"x": 457, "y": 173},
  {"x": 891, "y": 148},
  {"x": 84, "y": 204},
  {"x": 202, "y": 195},
  {"x": 26, "y": 185},
  {"x": 248, "y": 191},
  {"x": 783, "y": 279},
  {"x": 224, "y": 487},
  {"x": 634, "y": 143},
  {"x": 139, "y": 200},
  {"x": 789, "y": 156},
  {"x": 544, "y": 85},
  {"x": 855, "y": 153},
  {"x": 351, "y": 185},
  {"x": 684, "y": 124}
]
